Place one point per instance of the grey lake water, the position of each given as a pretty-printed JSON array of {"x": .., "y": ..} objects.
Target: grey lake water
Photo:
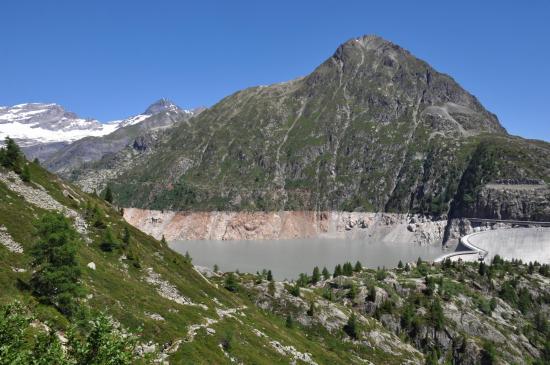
[{"x": 288, "y": 258}]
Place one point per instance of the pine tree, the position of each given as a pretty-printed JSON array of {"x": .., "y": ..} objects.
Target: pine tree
[
  {"x": 26, "y": 173},
  {"x": 482, "y": 270},
  {"x": 56, "y": 272},
  {"x": 351, "y": 326},
  {"x": 269, "y": 275},
  {"x": 289, "y": 321},
  {"x": 372, "y": 294},
  {"x": 108, "y": 242},
  {"x": 358, "y": 267},
  {"x": 126, "y": 237},
  {"x": 435, "y": 315},
  {"x": 316, "y": 275},
  {"x": 163, "y": 241},
  {"x": 352, "y": 293},
  {"x": 311, "y": 310},
  {"x": 216, "y": 268},
  {"x": 231, "y": 282},
  {"x": 189, "y": 259},
  {"x": 11, "y": 156},
  {"x": 400, "y": 265},
  {"x": 326, "y": 274},
  {"x": 347, "y": 269},
  {"x": 337, "y": 271},
  {"x": 108, "y": 194}
]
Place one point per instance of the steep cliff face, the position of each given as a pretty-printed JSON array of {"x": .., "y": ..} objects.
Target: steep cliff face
[
  {"x": 371, "y": 129},
  {"x": 512, "y": 202}
]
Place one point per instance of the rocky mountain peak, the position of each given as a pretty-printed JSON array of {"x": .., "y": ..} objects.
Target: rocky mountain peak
[{"x": 160, "y": 106}]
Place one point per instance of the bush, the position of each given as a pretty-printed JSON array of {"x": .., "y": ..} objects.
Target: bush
[
  {"x": 381, "y": 274},
  {"x": 294, "y": 290}
]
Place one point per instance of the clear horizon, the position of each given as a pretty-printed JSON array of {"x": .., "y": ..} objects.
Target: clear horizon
[{"x": 109, "y": 61}]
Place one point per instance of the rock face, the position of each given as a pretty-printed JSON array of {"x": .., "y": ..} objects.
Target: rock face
[
  {"x": 512, "y": 202},
  {"x": 371, "y": 129},
  {"x": 285, "y": 225}
]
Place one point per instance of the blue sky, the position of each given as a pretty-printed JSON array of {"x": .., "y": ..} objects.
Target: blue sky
[{"x": 110, "y": 59}]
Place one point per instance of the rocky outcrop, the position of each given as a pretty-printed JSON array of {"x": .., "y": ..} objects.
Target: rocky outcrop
[
  {"x": 520, "y": 201},
  {"x": 387, "y": 227},
  {"x": 40, "y": 197}
]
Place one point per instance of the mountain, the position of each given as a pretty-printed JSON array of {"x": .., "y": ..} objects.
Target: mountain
[
  {"x": 415, "y": 314},
  {"x": 373, "y": 128},
  {"x": 36, "y": 123},
  {"x": 42, "y": 130},
  {"x": 134, "y": 138},
  {"x": 159, "y": 115}
]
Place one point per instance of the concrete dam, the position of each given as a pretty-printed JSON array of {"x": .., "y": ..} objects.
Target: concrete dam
[{"x": 526, "y": 244}]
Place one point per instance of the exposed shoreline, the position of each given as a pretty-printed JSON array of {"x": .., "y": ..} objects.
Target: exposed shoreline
[{"x": 385, "y": 227}]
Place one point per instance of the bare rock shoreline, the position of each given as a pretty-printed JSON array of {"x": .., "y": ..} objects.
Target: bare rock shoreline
[{"x": 384, "y": 227}]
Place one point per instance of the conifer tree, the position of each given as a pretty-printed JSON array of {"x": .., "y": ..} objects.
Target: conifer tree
[
  {"x": 269, "y": 275},
  {"x": 316, "y": 275},
  {"x": 351, "y": 326},
  {"x": 26, "y": 173},
  {"x": 289, "y": 321},
  {"x": 11, "y": 156},
  {"x": 337, "y": 271},
  {"x": 231, "y": 282},
  {"x": 358, "y": 267},
  {"x": 126, "y": 237},
  {"x": 326, "y": 274},
  {"x": 108, "y": 242},
  {"x": 108, "y": 194},
  {"x": 311, "y": 310},
  {"x": 56, "y": 272}
]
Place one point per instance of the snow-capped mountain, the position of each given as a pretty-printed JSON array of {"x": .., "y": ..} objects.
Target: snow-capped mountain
[{"x": 36, "y": 123}]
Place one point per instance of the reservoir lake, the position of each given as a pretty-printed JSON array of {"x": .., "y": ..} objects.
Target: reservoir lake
[{"x": 288, "y": 258}]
